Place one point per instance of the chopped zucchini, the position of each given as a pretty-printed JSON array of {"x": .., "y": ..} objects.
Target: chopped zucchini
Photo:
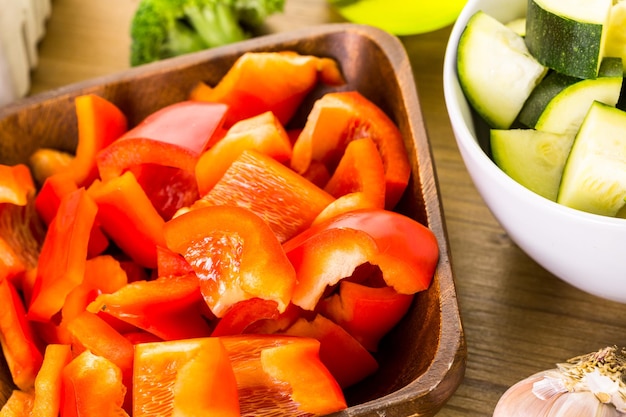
[
  {"x": 533, "y": 158},
  {"x": 568, "y": 36},
  {"x": 492, "y": 59},
  {"x": 616, "y": 34},
  {"x": 594, "y": 177}
]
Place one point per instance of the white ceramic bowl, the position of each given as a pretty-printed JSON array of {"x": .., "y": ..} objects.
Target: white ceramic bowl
[{"x": 587, "y": 251}]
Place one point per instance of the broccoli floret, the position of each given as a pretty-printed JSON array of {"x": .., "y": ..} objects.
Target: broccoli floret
[{"x": 166, "y": 28}]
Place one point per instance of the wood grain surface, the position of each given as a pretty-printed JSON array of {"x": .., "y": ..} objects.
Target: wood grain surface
[{"x": 517, "y": 317}]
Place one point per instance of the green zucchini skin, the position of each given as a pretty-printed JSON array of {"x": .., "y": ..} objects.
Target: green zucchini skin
[{"x": 570, "y": 47}]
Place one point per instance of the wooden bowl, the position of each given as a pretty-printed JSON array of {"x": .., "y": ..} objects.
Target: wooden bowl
[{"x": 423, "y": 359}]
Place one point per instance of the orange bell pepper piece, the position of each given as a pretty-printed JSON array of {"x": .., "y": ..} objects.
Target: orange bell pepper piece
[
  {"x": 282, "y": 375},
  {"x": 19, "y": 403},
  {"x": 269, "y": 81},
  {"x": 100, "y": 123},
  {"x": 16, "y": 184},
  {"x": 346, "y": 359},
  {"x": 168, "y": 307},
  {"x": 235, "y": 255},
  {"x": 263, "y": 133},
  {"x": 48, "y": 386},
  {"x": 338, "y": 118},
  {"x": 285, "y": 200},
  {"x": 192, "y": 377},
  {"x": 45, "y": 162},
  {"x": 66, "y": 244},
  {"x": 173, "y": 136},
  {"x": 17, "y": 338},
  {"x": 92, "y": 386},
  {"x": 367, "y": 313},
  {"x": 126, "y": 215},
  {"x": 405, "y": 251}
]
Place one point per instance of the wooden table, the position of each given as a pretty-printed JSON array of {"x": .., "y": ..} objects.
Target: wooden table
[{"x": 517, "y": 317}]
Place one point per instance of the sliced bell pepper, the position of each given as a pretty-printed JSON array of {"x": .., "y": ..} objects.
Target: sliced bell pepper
[
  {"x": 16, "y": 184},
  {"x": 191, "y": 377},
  {"x": 45, "y": 162},
  {"x": 269, "y": 81},
  {"x": 367, "y": 313},
  {"x": 19, "y": 403},
  {"x": 346, "y": 359},
  {"x": 235, "y": 255},
  {"x": 243, "y": 314},
  {"x": 173, "y": 136},
  {"x": 100, "y": 123},
  {"x": 360, "y": 169},
  {"x": 168, "y": 307},
  {"x": 47, "y": 204},
  {"x": 128, "y": 217},
  {"x": 407, "y": 251},
  {"x": 340, "y": 117},
  {"x": 66, "y": 244},
  {"x": 20, "y": 345},
  {"x": 168, "y": 188},
  {"x": 92, "y": 386},
  {"x": 285, "y": 200},
  {"x": 282, "y": 375},
  {"x": 263, "y": 133},
  {"x": 170, "y": 263},
  {"x": 48, "y": 389}
]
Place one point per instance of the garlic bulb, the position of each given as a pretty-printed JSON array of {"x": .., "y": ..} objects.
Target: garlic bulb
[{"x": 592, "y": 385}]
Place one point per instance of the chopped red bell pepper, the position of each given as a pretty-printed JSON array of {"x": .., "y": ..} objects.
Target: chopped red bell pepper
[
  {"x": 170, "y": 263},
  {"x": 360, "y": 169},
  {"x": 407, "y": 251},
  {"x": 129, "y": 218},
  {"x": 191, "y": 377},
  {"x": 269, "y": 81},
  {"x": 285, "y": 200},
  {"x": 66, "y": 244},
  {"x": 282, "y": 375},
  {"x": 48, "y": 386},
  {"x": 235, "y": 255},
  {"x": 16, "y": 184},
  {"x": 243, "y": 314},
  {"x": 346, "y": 359},
  {"x": 46, "y": 162},
  {"x": 92, "y": 386},
  {"x": 263, "y": 133},
  {"x": 173, "y": 136},
  {"x": 340, "y": 117},
  {"x": 47, "y": 204},
  {"x": 100, "y": 123},
  {"x": 19, "y": 403},
  {"x": 367, "y": 313},
  {"x": 168, "y": 307},
  {"x": 17, "y": 338}
]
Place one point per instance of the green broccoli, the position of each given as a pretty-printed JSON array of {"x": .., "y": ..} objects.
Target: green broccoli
[{"x": 166, "y": 28}]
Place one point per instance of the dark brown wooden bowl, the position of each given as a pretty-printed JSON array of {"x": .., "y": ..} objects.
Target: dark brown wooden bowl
[{"x": 423, "y": 359}]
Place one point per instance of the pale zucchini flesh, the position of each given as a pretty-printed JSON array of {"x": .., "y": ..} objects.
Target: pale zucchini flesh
[
  {"x": 495, "y": 69},
  {"x": 594, "y": 177},
  {"x": 533, "y": 158}
]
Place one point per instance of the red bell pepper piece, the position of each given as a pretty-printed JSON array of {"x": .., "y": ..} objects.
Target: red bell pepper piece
[
  {"x": 367, "y": 313},
  {"x": 235, "y": 255},
  {"x": 263, "y": 133},
  {"x": 66, "y": 244},
  {"x": 338, "y": 118},
  {"x": 269, "y": 81},
  {"x": 46, "y": 162},
  {"x": 129, "y": 218},
  {"x": 191, "y": 377},
  {"x": 92, "y": 386},
  {"x": 282, "y": 375},
  {"x": 407, "y": 251},
  {"x": 173, "y": 136},
  {"x": 346, "y": 359},
  {"x": 47, "y": 400},
  {"x": 19, "y": 403},
  {"x": 170, "y": 263},
  {"x": 47, "y": 204},
  {"x": 285, "y": 200},
  {"x": 100, "y": 123},
  {"x": 243, "y": 314},
  {"x": 16, "y": 184},
  {"x": 18, "y": 341},
  {"x": 168, "y": 307}
]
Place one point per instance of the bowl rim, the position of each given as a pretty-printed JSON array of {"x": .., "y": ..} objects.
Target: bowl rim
[{"x": 465, "y": 134}]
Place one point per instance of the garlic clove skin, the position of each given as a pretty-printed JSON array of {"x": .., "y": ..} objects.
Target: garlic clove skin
[
  {"x": 582, "y": 404},
  {"x": 521, "y": 401}
]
